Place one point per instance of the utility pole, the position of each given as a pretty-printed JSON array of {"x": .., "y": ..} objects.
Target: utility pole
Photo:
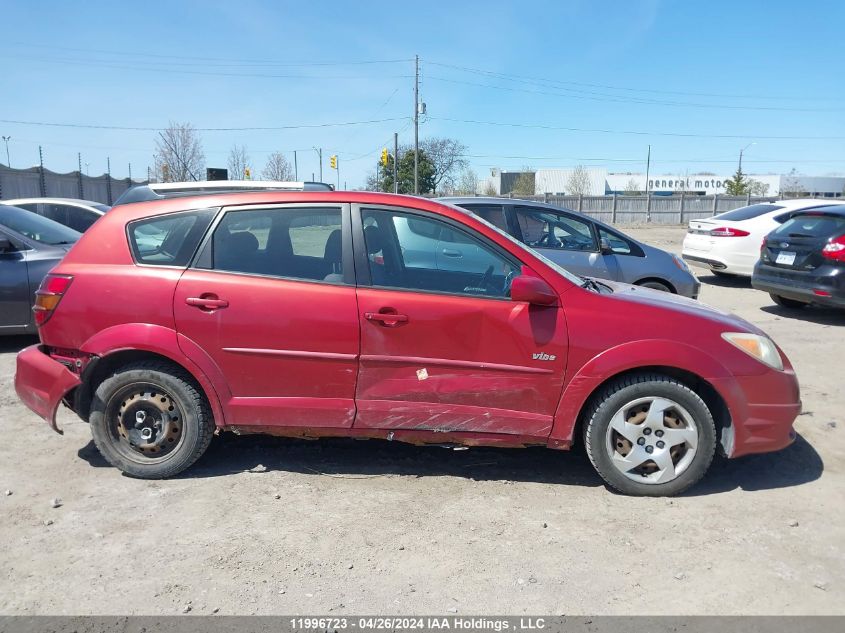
[
  {"x": 41, "y": 179},
  {"x": 108, "y": 180},
  {"x": 295, "y": 167},
  {"x": 6, "y": 140},
  {"x": 79, "y": 176},
  {"x": 395, "y": 162},
  {"x": 741, "y": 152},
  {"x": 319, "y": 151},
  {"x": 417, "y": 125},
  {"x": 647, "y": 168},
  {"x": 130, "y": 174}
]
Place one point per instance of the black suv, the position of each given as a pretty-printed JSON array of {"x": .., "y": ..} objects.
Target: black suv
[{"x": 803, "y": 260}]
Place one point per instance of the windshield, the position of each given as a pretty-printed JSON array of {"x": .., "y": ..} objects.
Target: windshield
[
  {"x": 36, "y": 227},
  {"x": 101, "y": 207},
  {"x": 557, "y": 268}
]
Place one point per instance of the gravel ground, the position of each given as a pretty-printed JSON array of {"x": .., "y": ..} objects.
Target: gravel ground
[{"x": 369, "y": 527}]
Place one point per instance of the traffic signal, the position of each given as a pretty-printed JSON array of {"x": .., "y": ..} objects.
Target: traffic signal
[
  {"x": 384, "y": 156},
  {"x": 333, "y": 161}
]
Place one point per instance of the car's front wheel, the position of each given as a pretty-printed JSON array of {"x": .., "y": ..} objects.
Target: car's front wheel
[
  {"x": 649, "y": 435},
  {"x": 655, "y": 285},
  {"x": 150, "y": 420}
]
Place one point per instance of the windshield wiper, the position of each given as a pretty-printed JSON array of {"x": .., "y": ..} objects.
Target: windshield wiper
[
  {"x": 61, "y": 243},
  {"x": 591, "y": 285}
]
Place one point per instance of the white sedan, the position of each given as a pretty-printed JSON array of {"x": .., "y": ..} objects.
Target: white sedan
[{"x": 729, "y": 243}]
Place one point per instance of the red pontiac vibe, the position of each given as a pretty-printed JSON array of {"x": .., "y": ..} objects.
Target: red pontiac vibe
[{"x": 314, "y": 314}]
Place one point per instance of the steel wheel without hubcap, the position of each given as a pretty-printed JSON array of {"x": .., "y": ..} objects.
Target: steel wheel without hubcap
[
  {"x": 145, "y": 422},
  {"x": 652, "y": 440}
]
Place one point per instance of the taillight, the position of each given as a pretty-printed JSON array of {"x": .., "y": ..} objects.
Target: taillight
[
  {"x": 48, "y": 295},
  {"x": 727, "y": 231},
  {"x": 835, "y": 249}
]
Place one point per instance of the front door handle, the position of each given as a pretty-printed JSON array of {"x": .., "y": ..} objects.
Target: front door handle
[
  {"x": 448, "y": 252},
  {"x": 387, "y": 319},
  {"x": 207, "y": 302}
]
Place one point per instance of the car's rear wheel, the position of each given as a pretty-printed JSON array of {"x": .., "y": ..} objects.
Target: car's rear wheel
[
  {"x": 655, "y": 285},
  {"x": 150, "y": 420},
  {"x": 649, "y": 435},
  {"x": 792, "y": 304}
]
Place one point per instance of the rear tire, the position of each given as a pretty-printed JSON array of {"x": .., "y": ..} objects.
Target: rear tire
[
  {"x": 150, "y": 420},
  {"x": 649, "y": 435},
  {"x": 791, "y": 304},
  {"x": 655, "y": 285}
]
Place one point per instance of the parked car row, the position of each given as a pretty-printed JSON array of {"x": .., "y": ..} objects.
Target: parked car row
[
  {"x": 322, "y": 313},
  {"x": 792, "y": 249}
]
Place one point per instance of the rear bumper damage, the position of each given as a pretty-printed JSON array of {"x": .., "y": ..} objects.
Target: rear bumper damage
[{"x": 41, "y": 382}]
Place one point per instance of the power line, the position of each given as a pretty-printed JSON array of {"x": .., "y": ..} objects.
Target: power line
[
  {"x": 554, "y": 82},
  {"x": 200, "y": 58},
  {"x": 201, "y": 129},
  {"x": 540, "y": 126},
  {"x": 619, "y": 99}
]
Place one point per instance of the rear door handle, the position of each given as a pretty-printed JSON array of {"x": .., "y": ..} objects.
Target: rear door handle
[{"x": 207, "y": 303}]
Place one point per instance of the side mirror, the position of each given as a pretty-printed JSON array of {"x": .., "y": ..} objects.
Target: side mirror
[
  {"x": 532, "y": 290},
  {"x": 6, "y": 245},
  {"x": 605, "y": 247}
]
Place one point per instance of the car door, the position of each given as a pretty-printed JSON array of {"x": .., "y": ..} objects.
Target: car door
[
  {"x": 565, "y": 238},
  {"x": 271, "y": 299},
  {"x": 448, "y": 350},
  {"x": 15, "y": 292}
]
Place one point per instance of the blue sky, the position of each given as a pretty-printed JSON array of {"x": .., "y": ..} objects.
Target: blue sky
[{"x": 726, "y": 74}]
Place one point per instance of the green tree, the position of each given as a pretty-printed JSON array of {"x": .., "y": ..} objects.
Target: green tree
[
  {"x": 738, "y": 185},
  {"x": 384, "y": 182}
]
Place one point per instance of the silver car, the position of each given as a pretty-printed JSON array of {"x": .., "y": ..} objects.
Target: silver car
[{"x": 576, "y": 242}]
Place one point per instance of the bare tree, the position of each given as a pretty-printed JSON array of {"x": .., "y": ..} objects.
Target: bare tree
[
  {"x": 239, "y": 162},
  {"x": 447, "y": 157},
  {"x": 631, "y": 187},
  {"x": 178, "y": 156},
  {"x": 468, "y": 182},
  {"x": 757, "y": 188},
  {"x": 791, "y": 185},
  {"x": 578, "y": 183},
  {"x": 277, "y": 168},
  {"x": 490, "y": 188}
]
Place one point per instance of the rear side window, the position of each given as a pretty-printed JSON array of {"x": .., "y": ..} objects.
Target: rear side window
[
  {"x": 746, "y": 213},
  {"x": 168, "y": 240},
  {"x": 494, "y": 214},
  {"x": 812, "y": 225}
]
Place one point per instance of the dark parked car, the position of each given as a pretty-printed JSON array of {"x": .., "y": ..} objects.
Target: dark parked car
[
  {"x": 580, "y": 244},
  {"x": 802, "y": 262},
  {"x": 310, "y": 314},
  {"x": 76, "y": 214},
  {"x": 30, "y": 245}
]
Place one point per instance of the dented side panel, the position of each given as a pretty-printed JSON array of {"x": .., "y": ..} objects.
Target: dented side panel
[{"x": 459, "y": 364}]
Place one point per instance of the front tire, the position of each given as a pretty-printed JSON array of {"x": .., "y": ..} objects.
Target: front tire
[
  {"x": 150, "y": 420},
  {"x": 792, "y": 304},
  {"x": 655, "y": 285},
  {"x": 649, "y": 435}
]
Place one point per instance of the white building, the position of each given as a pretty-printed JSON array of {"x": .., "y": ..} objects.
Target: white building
[{"x": 600, "y": 182}]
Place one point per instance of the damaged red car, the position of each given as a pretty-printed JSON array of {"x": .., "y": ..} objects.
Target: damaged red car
[{"x": 322, "y": 313}]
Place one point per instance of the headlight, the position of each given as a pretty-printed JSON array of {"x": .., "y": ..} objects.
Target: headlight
[{"x": 760, "y": 347}]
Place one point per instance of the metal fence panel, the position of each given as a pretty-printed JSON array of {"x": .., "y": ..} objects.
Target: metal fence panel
[{"x": 26, "y": 183}]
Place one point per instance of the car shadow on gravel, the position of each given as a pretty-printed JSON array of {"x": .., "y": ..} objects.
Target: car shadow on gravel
[
  {"x": 725, "y": 281},
  {"x": 813, "y": 314},
  {"x": 16, "y": 343},
  {"x": 356, "y": 459}
]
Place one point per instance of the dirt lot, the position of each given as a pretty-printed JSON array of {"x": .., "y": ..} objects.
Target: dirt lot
[{"x": 372, "y": 527}]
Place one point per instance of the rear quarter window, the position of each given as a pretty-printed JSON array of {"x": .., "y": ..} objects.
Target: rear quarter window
[{"x": 168, "y": 240}]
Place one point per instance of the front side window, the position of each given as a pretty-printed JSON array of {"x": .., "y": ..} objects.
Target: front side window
[
  {"x": 413, "y": 252},
  {"x": 295, "y": 243},
  {"x": 168, "y": 240},
  {"x": 541, "y": 228}
]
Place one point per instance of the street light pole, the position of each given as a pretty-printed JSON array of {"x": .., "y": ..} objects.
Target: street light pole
[
  {"x": 6, "y": 140},
  {"x": 741, "y": 152},
  {"x": 319, "y": 151}
]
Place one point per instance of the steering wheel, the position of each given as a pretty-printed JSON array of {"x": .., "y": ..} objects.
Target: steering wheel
[{"x": 548, "y": 239}]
